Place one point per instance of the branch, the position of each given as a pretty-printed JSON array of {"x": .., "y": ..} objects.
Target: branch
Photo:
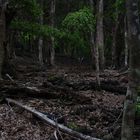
[{"x": 43, "y": 117}]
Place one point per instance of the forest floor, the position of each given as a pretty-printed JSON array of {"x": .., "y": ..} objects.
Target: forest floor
[{"x": 67, "y": 92}]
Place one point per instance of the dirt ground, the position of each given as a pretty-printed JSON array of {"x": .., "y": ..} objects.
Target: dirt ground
[{"x": 75, "y": 99}]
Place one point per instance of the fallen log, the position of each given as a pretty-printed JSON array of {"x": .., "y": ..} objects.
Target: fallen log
[
  {"x": 92, "y": 85},
  {"x": 109, "y": 85},
  {"x": 23, "y": 91},
  {"x": 67, "y": 92},
  {"x": 51, "y": 92},
  {"x": 44, "y": 118}
]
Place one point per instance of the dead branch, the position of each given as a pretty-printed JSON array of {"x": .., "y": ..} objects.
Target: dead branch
[
  {"x": 23, "y": 91},
  {"x": 10, "y": 77},
  {"x": 44, "y": 118},
  {"x": 14, "y": 89},
  {"x": 125, "y": 73}
]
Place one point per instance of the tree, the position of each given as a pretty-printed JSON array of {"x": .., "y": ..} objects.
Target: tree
[
  {"x": 2, "y": 33},
  {"x": 126, "y": 43},
  {"x": 114, "y": 40},
  {"x": 51, "y": 45},
  {"x": 78, "y": 26},
  {"x": 134, "y": 74},
  {"x": 100, "y": 33},
  {"x": 117, "y": 32},
  {"x": 40, "y": 42},
  {"x": 8, "y": 11},
  {"x": 94, "y": 49}
]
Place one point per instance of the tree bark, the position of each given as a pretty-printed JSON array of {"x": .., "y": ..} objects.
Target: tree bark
[
  {"x": 40, "y": 42},
  {"x": 94, "y": 51},
  {"x": 126, "y": 43},
  {"x": 114, "y": 42},
  {"x": 12, "y": 53},
  {"x": 100, "y": 33},
  {"x": 134, "y": 74},
  {"x": 51, "y": 49},
  {"x": 2, "y": 34}
]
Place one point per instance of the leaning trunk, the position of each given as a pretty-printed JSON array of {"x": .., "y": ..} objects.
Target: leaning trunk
[{"x": 134, "y": 83}]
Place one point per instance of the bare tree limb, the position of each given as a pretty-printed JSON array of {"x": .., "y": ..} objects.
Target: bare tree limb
[{"x": 44, "y": 118}]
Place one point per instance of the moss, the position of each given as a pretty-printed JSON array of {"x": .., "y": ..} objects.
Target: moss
[
  {"x": 73, "y": 126},
  {"x": 51, "y": 78}
]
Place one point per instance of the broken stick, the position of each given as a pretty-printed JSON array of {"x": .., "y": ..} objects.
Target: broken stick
[{"x": 43, "y": 117}]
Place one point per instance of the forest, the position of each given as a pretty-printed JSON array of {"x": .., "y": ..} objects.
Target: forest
[{"x": 69, "y": 70}]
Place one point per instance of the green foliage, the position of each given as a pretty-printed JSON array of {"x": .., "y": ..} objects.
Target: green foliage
[
  {"x": 72, "y": 125},
  {"x": 114, "y": 9},
  {"x": 74, "y": 44},
  {"x": 80, "y": 21},
  {"x": 77, "y": 26},
  {"x": 29, "y": 7},
  {"x": 138, "y": 109},
  {"x": 36, "y": 29},
  {"x": 138, "y": 106},
  {"x": 119, "y": 6}
]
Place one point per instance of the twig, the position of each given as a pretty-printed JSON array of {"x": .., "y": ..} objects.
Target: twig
[
  {"x": 55, "y": 135},
  {"x": 117, "y": 118},
  {"x": 10, "y": 77}
]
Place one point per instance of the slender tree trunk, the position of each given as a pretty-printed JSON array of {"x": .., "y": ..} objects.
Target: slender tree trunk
[
  {"x": 52, "y": 50},
  {"x": 126, "y": 43},
  {"x": 114, "y": 42},
  {"x": 134, "y": 83},
  {"x": 100, "y": 33},
  {"x": 94, "y": 50},
  {"x": 40, "y": 47},
  {"x": 114, "y": 46},
  {"x": 12, "y": 53},
  {"x": 2, "y": 34},
  {"x": 40, "y": 41}
]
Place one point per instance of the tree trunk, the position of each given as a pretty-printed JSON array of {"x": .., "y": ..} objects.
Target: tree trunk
[
  {"x": 40, "y": 47},
  {"x": 12, "y": 53},
  {"x": 40, "y": 42},
  {"x": 2, "y": 35},
  {"x": 134, "y": 74},
  {"x": 114, "y": 42},
  {"x": 52, "y": 51},
  {"x": 94, "y": 50},
  {"x": 126, "y": 43},
  {"x": 100, "y": 33}
]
